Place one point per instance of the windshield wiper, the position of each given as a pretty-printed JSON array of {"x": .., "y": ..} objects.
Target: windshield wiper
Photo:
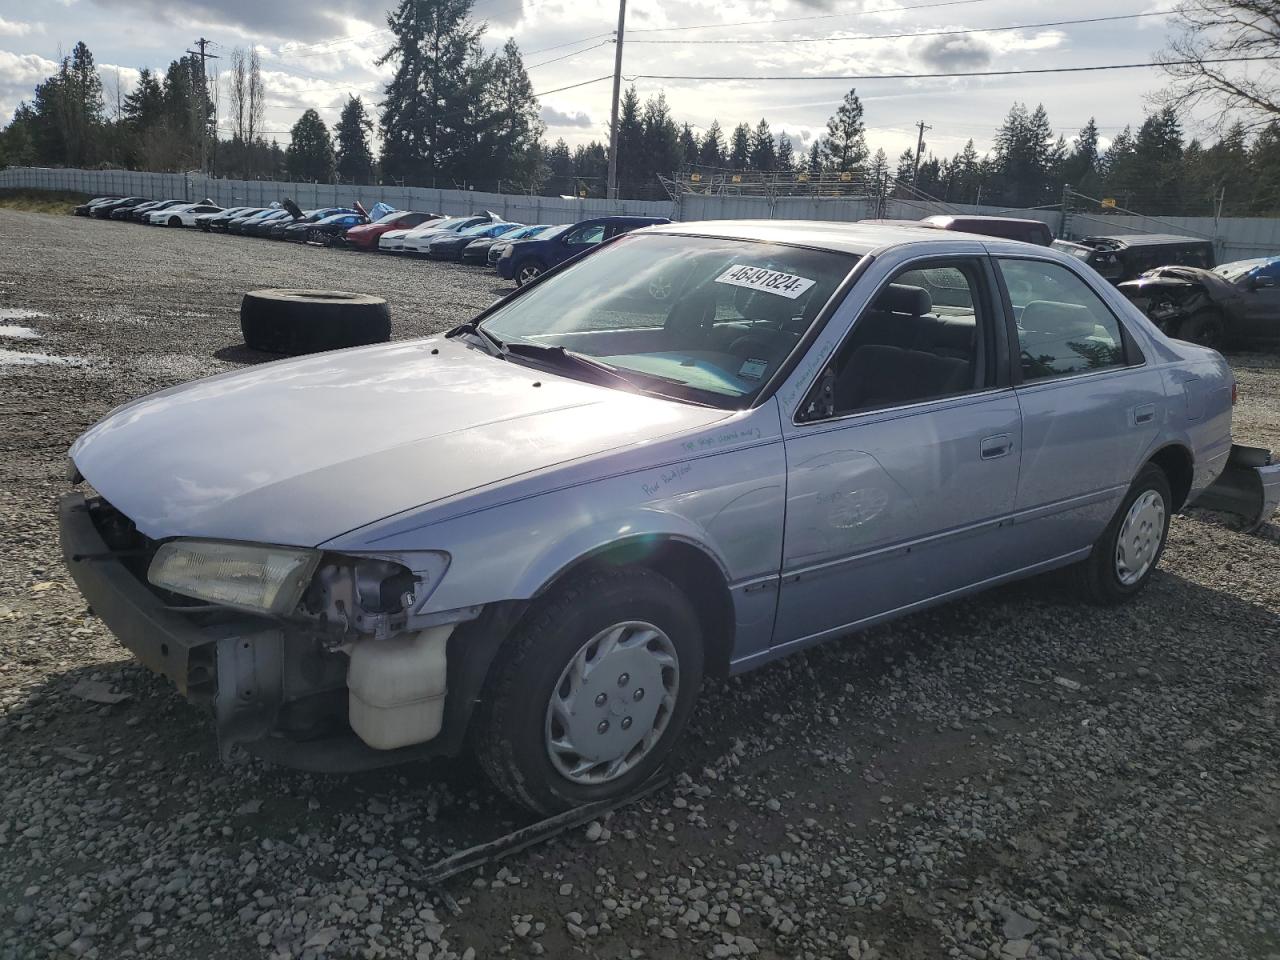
[
  {"x": 559, "y": 356},
  {"x": 491, "y": 344}
]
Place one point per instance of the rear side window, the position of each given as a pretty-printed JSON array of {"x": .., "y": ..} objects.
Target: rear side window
[
  {"x": 1064, "y": 328},
  {"x": 586, "y": 235}
]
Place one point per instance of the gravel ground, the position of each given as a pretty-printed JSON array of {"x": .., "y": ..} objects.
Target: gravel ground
[{"x": 1016, "y": 775}]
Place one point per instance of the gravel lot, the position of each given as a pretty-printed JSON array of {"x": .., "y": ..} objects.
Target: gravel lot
[{"x": 1012, "y": 776}]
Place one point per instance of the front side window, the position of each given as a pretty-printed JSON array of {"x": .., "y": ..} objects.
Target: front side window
[
  {"x": 921, "y": 338},
  {"x": 701, "y": 318},
  {"x": 1063, "y": 326}
]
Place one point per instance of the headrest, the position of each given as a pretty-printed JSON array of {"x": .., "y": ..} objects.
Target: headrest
[
  {"x": 904, "y": 298},
  {"x": 1066, "y": 320}
]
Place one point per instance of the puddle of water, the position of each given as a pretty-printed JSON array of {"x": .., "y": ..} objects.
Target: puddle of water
[
  {"x": 15, "y": 358},
  {"x": 15, "y": 332},
  {"x": 17, "y": 313}
]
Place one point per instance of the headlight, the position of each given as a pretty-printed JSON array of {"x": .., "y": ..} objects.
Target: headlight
[{"x": 248, "y": 577}]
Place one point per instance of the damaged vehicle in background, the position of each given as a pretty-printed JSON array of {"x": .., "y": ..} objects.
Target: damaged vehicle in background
[
  {"x": 700, "y": 447},
  {"x": 1234, "y": 304},
  {"x": 1125, "y": 256}
]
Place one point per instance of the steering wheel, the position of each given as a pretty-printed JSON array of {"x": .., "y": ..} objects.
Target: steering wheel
[
  {"x": 752, "y": 346},
  {"x": 692, "y": 320}
]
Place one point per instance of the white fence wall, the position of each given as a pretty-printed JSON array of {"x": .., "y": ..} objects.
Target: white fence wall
[{"x": 1236, "y": 237}]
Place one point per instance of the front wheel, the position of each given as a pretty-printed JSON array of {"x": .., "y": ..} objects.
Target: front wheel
[
  {"x": 528, "y": 271},
  {"x": 592, "y": 691},
  {"x": 1128, "y": 551},
  {"x": 175, "y": 221},
  {"x": 1203, "y": 327}
]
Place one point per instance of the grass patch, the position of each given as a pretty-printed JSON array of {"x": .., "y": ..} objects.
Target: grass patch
[{"x": 41, "y": 201}]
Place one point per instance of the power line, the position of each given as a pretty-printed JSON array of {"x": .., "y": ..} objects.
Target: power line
[
  {"x": 567, "y": 43},
  {"x": 922, "y": 33},
  {"x": 594, "y": 46},
  {"x": 956, "y": 73},
  {"x": 821, "y": 16}
]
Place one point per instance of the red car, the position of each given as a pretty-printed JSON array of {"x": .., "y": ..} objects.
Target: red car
[{"x": 366, "y": 237}]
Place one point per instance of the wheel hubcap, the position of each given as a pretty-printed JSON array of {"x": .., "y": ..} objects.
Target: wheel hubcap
[
  {"x": 612, "y": 703},
  {"x": 529, "y": 273},
  {"x": 1140, "y": 536}
]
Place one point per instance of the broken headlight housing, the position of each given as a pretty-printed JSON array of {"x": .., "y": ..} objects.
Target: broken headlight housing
[{"x": 251, "y": 577}]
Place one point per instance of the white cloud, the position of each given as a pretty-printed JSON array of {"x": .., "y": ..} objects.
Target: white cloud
[
  {"x": 13, "y": 28},
  {"x": 19, "y": 74}
]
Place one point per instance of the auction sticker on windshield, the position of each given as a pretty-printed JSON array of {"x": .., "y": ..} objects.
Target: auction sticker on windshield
[{"x": 768, "y": 281}]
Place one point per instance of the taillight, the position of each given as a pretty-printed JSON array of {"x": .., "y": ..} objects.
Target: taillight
[{"x": 1235, "y": 392}]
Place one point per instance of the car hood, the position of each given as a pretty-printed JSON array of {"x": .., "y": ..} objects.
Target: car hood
[{"x": 301, "y": 451}]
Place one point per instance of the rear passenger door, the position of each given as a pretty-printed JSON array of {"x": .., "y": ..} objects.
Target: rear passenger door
[
  {"x": 902, "y": 458},
  {"x": 1091, "y": 407}
]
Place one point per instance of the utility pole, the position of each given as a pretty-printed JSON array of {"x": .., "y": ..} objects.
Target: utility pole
[
  {"x": 612, "y": 190},
  {"x": 915, "y": 170},
  {"x": 204, "y": 102}
]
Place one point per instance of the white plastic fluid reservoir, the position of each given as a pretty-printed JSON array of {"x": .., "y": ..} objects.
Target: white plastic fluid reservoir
[{"x": 396, "y": 688}]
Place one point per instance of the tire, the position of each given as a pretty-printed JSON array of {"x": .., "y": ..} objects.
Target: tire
[
  {"x": 1203, "y": 327},
  {"x": 526, "y": 271},
  {"x": 517, "y": 720},
  {"x": 1108, "y": 577},
  {"x": 175, "y": 221},
  {"x": 309, "y": 321}
]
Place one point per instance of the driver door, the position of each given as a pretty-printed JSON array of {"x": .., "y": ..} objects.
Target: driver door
[{"x": 1262, "y": 303}]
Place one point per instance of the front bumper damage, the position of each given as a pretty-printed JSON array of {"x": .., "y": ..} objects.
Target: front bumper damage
[
  {"x": 273, "y": 686},
  {"x": 1249, "y": 487}
]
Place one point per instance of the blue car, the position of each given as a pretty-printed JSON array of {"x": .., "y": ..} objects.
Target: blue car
[{"x": 526, "y": 260}]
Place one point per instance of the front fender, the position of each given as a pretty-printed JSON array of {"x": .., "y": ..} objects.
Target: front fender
[{"x": 634, "y": 534}]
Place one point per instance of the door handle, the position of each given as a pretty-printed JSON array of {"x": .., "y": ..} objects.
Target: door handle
[
  {"x": 997, "y": 446},
  {"x": 1145, "y": 413}
]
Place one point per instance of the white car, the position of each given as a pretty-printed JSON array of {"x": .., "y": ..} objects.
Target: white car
[
  {"x": 183, "y": 215},
  {"x": 416, "y": 240},
  {"x": 392, "y": 241}
]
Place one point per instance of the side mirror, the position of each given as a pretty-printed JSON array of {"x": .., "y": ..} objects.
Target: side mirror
[{"x": 1260, "y": 282}]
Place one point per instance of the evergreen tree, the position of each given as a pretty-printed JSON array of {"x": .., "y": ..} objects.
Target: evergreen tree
[
  {"x": 845, "y": 145},
  {"x": 354, "y": 155},
  {"x": 764, "y": 150},
  {"x": 813, "y": 165},
  {"x": 966, "y": 175},
  {"x": 740, "y": 147},
  {"x": 69, "y": 112},
  {"x": 591, "y": 167},
  {"x": 310, "y": 153},
  {"x": 903, "y": 173},
  {"x": 144, "y": 106},
  {"x": 630, "y": 144},
  {"x": 430, "y": 100},
  {"x": 559, "y": 161},
  {"x": 1081, "y": 167},
  {"x": 661, "y": 153},
  {"x": 878, "y": 168},
  {"x": 1157, "y": 153},
  {"x": 688, "y": 146},
  {"x": 1024, "y": 157},
  {"x": 712, "y": 151},
  {"x": 786, "y": 154},
  {"x": 505, "y": 132}
]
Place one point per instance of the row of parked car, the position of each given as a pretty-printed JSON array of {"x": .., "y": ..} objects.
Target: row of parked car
[
  {"x": 517, "y": 251},
  {"x": 1172, "y": 278}
]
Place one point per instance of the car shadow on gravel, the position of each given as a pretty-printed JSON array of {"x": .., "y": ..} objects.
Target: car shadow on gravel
[{"x": 239, "y": 353}]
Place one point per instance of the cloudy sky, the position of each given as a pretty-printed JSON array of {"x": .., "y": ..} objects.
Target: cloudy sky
[{"x": 315, "y": 52}]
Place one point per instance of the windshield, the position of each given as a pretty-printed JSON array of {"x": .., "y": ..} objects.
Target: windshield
[
  {"x": 480, "y": 229},
  {"x": 712, "y": 318},
  {"x": 1239, "y": 269}
]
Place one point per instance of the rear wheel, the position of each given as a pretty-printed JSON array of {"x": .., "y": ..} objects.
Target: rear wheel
[
  {"x": 1128, "y": 551},
  {"x": 592, "y": 691},
  {"x": 527, "y": 271}
]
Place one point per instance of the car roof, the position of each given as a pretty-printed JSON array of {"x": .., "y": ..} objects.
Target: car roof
[
  {"x": 1143, "y": 239},
  {"x": 840, "y": 237}
]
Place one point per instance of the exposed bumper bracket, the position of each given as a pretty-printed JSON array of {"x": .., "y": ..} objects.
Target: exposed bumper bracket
[{"x": 1249, "y": 487}]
